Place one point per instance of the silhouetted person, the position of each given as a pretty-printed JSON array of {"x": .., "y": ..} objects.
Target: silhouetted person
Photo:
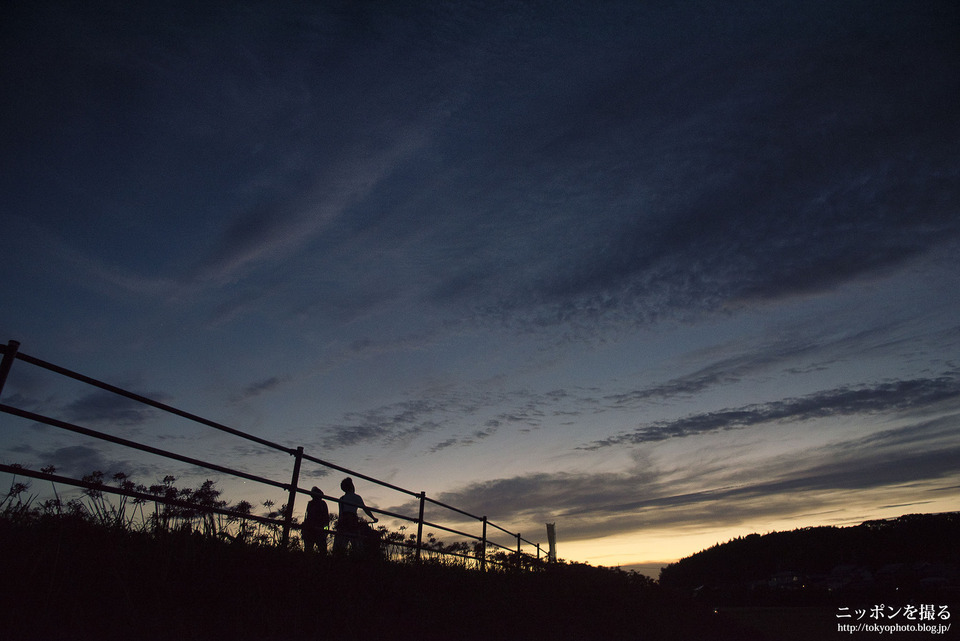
[
  {"x": 348, "y": 523},
  {"x": 314, "y": 531}
]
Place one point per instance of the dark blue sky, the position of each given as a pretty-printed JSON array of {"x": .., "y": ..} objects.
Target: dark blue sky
[{"x": 665, "y": 273}]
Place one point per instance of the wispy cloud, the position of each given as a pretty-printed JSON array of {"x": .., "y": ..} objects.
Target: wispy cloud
[
  {"x": 259, "y": 387},
  {"x": 391, "y": 424},
  {"x": 482, "y": 195},
  {"x": 637, "y": 212},
  {"x": 442, "y": 411},
  {"x": 649, "y": 496},
  {"x": 894, "y": 397},
  {"x": 80, "y": 460},
  {"x": 273, "y": 232},
  {"x": 463, "y": 441},
  {"x": 723, "y": 371},
  {"x": 634, "y": 177},
  {"x": 101, "y": 407}
]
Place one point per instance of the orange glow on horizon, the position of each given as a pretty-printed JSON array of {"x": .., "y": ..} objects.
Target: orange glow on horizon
[{"x": 648, "y": 549}]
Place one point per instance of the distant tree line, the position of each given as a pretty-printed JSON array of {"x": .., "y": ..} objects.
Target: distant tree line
[{"x": 913, "y": 538}]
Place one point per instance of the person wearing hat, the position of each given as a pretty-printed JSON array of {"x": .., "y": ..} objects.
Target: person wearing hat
[{"x": 314, "y": 531}]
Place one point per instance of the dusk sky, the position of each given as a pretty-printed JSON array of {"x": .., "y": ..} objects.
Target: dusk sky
[{"x": 662, "y": 273}]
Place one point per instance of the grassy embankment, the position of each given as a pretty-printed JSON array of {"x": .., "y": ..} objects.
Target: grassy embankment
[{"x": 67, "y": 578}]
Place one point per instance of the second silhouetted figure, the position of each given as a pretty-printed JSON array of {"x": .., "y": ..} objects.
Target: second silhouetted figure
[{"x": 348, "y": 523}]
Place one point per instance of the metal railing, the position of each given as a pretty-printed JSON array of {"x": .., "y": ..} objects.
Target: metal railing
[{"x": 11, "y": 352}]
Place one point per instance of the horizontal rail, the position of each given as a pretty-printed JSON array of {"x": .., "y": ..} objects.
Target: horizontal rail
[
  {"x": 359, "y": 475},
  {"x": 472, "y": 516},
  {"x": 11, "y": 353},
  {"x": 148, "y": 401},
  {"x": 513, "y": 534},
  {"x": 451, "y": 530},
  {"x": 502, "y": 547},
  {"x": 394, "y": 515},
  {"x": 137, "y": 446},
  {"x": 468, "y": 556},
  {"x": 455, "y": 509},
  {"x": 334, "y": 499},
  {"x": 502, "y": 530},
  {"x": 54, "y": 478}
]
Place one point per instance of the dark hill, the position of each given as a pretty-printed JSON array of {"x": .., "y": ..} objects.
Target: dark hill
[
  {"x": 80, "y": 581},
  {"x": 916, "y": 554}
]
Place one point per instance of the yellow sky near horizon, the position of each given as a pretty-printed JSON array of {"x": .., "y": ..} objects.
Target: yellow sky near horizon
[{"x": 647, "y": 551}]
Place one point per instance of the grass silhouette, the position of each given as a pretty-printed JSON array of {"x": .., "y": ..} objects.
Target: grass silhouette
[{"x": 92, "y": 569}]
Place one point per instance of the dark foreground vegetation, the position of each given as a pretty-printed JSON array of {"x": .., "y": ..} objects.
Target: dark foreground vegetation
[
  {"x": 81, "y": 583},
  {"x": 73, "y": 574}
]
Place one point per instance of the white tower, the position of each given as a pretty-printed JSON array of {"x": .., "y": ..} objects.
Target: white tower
[{"x": 552, "y": 541}]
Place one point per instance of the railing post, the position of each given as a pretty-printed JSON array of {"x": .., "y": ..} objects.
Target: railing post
[
  {"x": 288, "y": 517},
  {"x": 483, "y": 547},
  {"x": 8, "y": 356},
  {"x": 11, "y": 353},
  {"x": 423, "y": 497}
]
